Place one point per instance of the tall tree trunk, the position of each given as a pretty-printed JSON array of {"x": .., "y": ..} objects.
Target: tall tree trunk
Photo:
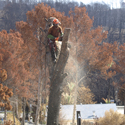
[
  {"x": 109, "y": 89},
  {"x": 5, "y": 114},
  {"x": 24, "y": 106},
  {"x": 39, "y": 99},
  {"x": 16, "y": 110},
  {"x": 56, "y": 82},
  {"x": 124, "y": 105},
  {"x": 14, "y": 114},
  {"x": 40, "y": 68}
]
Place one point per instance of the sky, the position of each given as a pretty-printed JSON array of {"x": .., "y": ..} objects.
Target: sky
[{"x": 113, "y": 3}]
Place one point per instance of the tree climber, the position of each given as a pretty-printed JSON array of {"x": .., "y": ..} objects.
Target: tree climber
[{"x": 55, "y": 34}]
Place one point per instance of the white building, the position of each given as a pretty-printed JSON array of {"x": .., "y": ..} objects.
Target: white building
[{"x": 87, "y": 112}]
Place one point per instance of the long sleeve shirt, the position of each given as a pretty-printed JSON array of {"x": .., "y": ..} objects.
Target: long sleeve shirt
[{"x": 54, "y": 32}]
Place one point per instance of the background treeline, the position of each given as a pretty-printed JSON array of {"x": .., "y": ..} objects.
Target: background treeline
[
  {"x": 12, "y": 11},
  {"x": 111, "y": 19}
]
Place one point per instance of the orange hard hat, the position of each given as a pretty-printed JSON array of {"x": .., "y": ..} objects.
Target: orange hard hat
[{"x": 56, "y": 21}]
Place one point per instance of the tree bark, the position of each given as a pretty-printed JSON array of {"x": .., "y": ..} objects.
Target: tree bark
[
  {"x": 24, "y": 106},
  {"x": 5, "y": 114},
  {"x": 39, "y": 99},
  {"x": 14, "y": 114},
  {"x": 40, "y": 80},
  {"x": 56, "y": 82},
  {"x": 17, "y": 114},
  {"x": 124, "y": 105}
]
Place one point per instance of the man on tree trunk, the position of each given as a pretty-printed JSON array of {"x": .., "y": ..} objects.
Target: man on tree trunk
[
  {"x": 55, "y": 34},
  {"x": 56, "y": 82}
]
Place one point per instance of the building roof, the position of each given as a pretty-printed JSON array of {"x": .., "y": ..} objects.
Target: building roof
[{"x": 87, "y": 110}]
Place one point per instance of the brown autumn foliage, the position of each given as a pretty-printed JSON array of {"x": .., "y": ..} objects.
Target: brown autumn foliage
[
  {"x": 35, "y": 49},
  {"x": 3, "y": 75},
  {"x": 88, "y": 47},
  {"x": 119, "y": 67},
  {"x": 119, "y": 58},
  {"x": 13, "y": 63},
  {"x": 36, "y": 19},
  {"x": 111, "y": 118},
  {"x": 8, "y": 122},
  {"x": 5, "y": 94},
  {"x": 90, "y": 52},
  {"x": 85, "y": 96}
]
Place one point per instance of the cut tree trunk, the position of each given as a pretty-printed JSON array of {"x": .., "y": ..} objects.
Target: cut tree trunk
[{"x": 57, "y": 78}]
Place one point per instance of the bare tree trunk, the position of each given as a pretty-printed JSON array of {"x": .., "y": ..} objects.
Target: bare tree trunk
[
  {"x": 40, "y": 68},
  {"x": 16, "y": 110},
  {"x": 56, "y": 82},
  {"x": 14, "y": 113},
  {"x": 39, "y": 99},
  {"x": 124, "y": 105},
  {"x": 5, "y": 114},
  {"x": 24, "y": 106}
]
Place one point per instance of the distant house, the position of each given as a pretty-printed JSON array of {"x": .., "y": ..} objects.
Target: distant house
[{"x": 87, "y": 112}]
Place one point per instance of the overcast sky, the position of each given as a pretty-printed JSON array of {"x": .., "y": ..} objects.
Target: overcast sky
[{"x": 114, "y": 3}]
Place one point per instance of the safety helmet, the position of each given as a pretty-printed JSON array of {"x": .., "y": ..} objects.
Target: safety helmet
[{"x": 56, "y": 22}]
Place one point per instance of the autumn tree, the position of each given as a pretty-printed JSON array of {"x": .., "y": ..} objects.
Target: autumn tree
[
  {"x": 90, "y": 52},
  {"x": 84, "y": 95},
  {"x": 36, "y": 46},
  {"x": 111, "y": 117},
  {"x": 14, "y": 60},
  {"x": 5, "y": 92},
  {"x": 119, "y": 67}
]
